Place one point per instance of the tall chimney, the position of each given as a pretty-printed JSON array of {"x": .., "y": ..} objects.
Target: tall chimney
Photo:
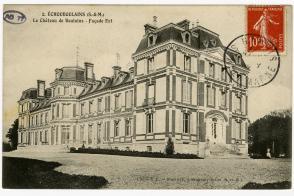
[
  {"x": 155, "y": 21},
  {"x": 40, "y": 88},
  {"x": 89, "y": 74}
]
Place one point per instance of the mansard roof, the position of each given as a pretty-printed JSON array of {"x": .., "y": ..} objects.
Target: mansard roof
[
  {"x": 71, "y": 74},
  {"x": 31, "y": 93},
  {"x": 44, "y": 103},
  {"x": 123, "y": 78},
  {"x": 174, "y": 32},
  {"x": 201, "y": 38}
]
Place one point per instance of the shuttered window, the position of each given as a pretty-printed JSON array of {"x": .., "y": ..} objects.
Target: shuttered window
[{"x": 201, "y": 66}]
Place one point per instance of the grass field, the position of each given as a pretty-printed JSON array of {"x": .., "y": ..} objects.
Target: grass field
[{"x": 157, "y": 173}]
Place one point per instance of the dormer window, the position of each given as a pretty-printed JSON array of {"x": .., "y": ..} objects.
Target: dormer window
[
  {"x": 186, "y": 37},
  {"x": 213, "y": 42},
  {"x": 151, "y": 39},
  {"x": 205, "y": 43}
]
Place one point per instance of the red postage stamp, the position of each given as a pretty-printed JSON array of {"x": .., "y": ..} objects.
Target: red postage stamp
[{"x": 265, "y": 28}]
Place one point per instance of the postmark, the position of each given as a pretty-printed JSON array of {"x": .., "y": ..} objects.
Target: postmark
[
  {"x": 268, "y": 23},
  {"x": 262, "y": 66},
  {"x": 14, "y": 17}
]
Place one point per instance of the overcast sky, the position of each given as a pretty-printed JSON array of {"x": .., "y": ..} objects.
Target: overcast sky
[{"x": 32, "y": 51}]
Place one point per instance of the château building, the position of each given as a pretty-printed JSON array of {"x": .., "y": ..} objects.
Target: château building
[{"x": 178, "y": 88}]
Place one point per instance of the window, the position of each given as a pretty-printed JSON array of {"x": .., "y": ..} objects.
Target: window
[
  {"x": 65, "y": 110},
  {"x": 74, "y": 110},
  {"x": 46, "y": 136},
  {"x": 151, "y": 91},
  {"x": 239, "y": 80},
  {"x": 107, "y": 103},
  {"x": 99, "y": 102},
  {"x": 74, "y": 133},
  {"x": 201, "y": 66},
  {"x": 150, "y": 65},
  {"x": 150, "y": 123},
  {"x": 223, "y": 76},
  {"x": 75, "y": 91},
  {"x": 82, "y": 135},
  {"x": 150, "y": 40},
  {"x": 90, "y": 107},
  {"x": 187, "y": 63},
  {"x": 41, "y": 119},
  {"x": 213, "y": 128},
  {"x": 186, "y": 122},
  {"x": 129, "y": 99},
  {"x": 187, "y": 38},
  {"x": 211, "y": 96},
  {"x": 46, "y": 117},
  {"x": 116, "y": 128},
  {"x": 116, "y": 102},
  {"x": 37, "y": 120},
  {"x": 186, "y": 92},
  {"x": 65, "y": 135},
  {"x": 52, "y": 136},
  {"x": 57, "y": 111},
  {"x": 66, "y": 90},
  {"x": 223, "y": 99},
  {"x": 58, "y": 90},
  {"x": 90, "y": 132},
  {"x": 211, "y": 70},
  {"x": 238, "y": 130},
  {"x": 82, "y": 109},
  {"x": 40, "y": 136},
  {"x": 238, "y": 104},
  {"x": 32, "y": 121},
  {"x": 107, "y": 131},
  {"x": 98, "y": 133},
  {"x": 53, "y": 110},
  {"x": 128, "y": 127}
]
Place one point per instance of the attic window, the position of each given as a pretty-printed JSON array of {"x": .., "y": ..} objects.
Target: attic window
[
  {"x": 151, "y": 40},
  {"x": 239, "y": 59},
  {"x": 205, "y": 43},
  {"x": 213, "y": 42},
  {"x": 186, "y": 37}
]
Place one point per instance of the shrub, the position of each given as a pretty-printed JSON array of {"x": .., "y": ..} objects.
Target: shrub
[{"x": 169, "y": 149}]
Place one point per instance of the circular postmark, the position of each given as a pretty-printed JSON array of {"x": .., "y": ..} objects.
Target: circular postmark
[{"x": 261, "y": 66}]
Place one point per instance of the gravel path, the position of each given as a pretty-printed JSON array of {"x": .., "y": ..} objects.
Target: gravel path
[{"x": 154, "y": 173}]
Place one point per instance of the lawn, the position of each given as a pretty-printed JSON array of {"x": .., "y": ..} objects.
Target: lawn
[
  {"x": 124, "y": 172},
  {"x": 28, "y": 173}
]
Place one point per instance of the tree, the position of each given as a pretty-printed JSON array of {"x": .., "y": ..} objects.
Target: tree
[
  {"x": 271, "y": 131},
  {"x": 12, "y": 134}
]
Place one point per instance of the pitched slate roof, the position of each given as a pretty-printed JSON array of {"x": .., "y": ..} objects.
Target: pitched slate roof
[{"x": 30, "y": 93}]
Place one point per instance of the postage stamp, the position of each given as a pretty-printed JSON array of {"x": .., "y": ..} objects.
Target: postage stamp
[{"x": 268, "y": 23}]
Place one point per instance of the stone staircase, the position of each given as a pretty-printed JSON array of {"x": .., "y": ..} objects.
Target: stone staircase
[{"x": 219, "y": 151}]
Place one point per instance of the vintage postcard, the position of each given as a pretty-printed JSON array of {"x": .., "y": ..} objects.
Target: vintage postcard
[{"x": 147, "y": 96}]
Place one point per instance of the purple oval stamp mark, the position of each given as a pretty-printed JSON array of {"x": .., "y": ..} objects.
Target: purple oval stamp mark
[
  {"x": 14, "y": 17},
  {"x": 263, "y": 66}
]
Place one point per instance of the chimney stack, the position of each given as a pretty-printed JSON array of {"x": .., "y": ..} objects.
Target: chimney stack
[
  {"x": 40, "y": 88},
  {"x": 89, "y": 74},
  {"x": 155, "y": 21},
  {"x": 116, "y": 70},
  {"x": 131, "y": 70}
]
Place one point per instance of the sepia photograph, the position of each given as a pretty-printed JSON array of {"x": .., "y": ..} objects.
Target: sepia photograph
[{"x": 100, "y": 96}]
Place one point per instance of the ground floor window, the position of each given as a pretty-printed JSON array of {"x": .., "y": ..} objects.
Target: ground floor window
[
  {"x": 52, "y": 136},
  {"x": 116, "y": 128},
  {"x": 74, "y": 133},
  {"x": 150, "y": 123},
  {"x": 82, "y": 134},
  {"x": 128, "y": 127},
  {"x": 90, "y": 134},
  {"x": 107, "y": 131},
  {"x": 186, "y": 122},
  {"x": 98, "y": 133}
]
